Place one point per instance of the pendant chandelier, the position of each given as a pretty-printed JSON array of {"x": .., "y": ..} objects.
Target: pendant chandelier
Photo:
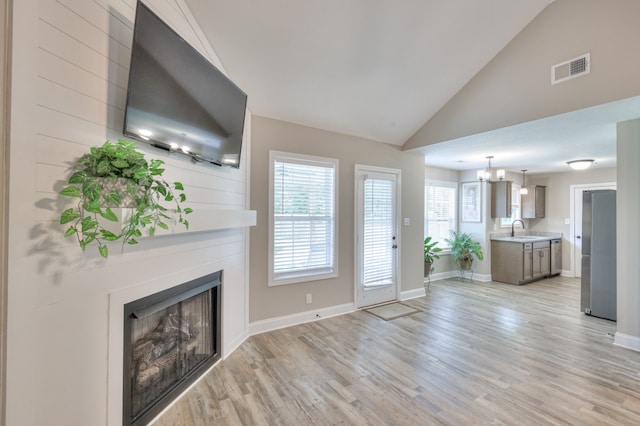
[
  {"x": 487, "y": 174},
  {"x": 523, "y": 189}
]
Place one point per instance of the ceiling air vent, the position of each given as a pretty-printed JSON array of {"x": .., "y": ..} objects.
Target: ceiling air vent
[{"x": 572, "y": 68}]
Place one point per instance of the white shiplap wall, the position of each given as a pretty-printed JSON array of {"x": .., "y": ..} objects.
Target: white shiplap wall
[{"x": 70, "y": 65}]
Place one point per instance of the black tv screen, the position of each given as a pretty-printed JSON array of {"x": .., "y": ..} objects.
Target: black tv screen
[{"x": 177, "y": 100}]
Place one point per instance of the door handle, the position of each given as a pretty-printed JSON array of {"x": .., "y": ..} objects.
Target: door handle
[
  {"x": 578, "y": 237},
  {"x": 395, "y": 246}
]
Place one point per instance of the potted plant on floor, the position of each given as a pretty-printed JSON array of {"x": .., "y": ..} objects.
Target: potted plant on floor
[
  {"x": 116, "y": 175},
  {"x": 464, "y": 248},
  {"x": 430, "y": 254}
]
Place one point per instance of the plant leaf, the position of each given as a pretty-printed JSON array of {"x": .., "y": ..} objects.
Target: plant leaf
[
  {"x": 113, "y": 197},
  {"x": 108, "y": 235},
  {"x": 186, "y": 224},
  {"x": 120, "y": 164},
  {"x": 109, "y": 215},
  {"x": 152, "y": 231},
  {"x": 104, "y": 167},
  {"x": 88, "y": 224},
  {"x": 155, "y": 164},
  {"x": 132, "y": 241},
  {"x": 163, "y": 225},
  {"x": 93, "y": 207},
  {"x": 169, "y": 197},
  {"x": 132, "y": 188},
  {"x": 78, "y": 177},
  {"x": 146, "y": 220},
  {"x": 188, "y": 210},
  {"x": 178, "y": 186},
  {"x": 71, "y": 191},
  {"x": 71, "y": 231},
  {"x": 68, "y": 216},
  {"x": 139, "y": 174},
  {"x": 161, "y": 189},
  {"x": 104, "y": 251},
  {"x": 183, "y": 198},
  {"x": 91, "y": 189}
]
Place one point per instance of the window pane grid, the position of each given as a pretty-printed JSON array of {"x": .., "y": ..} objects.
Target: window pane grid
[
  {"x": 303, "y": 218},
  {"x": 440, "y": 204},
  {"x": 515, "y": 207},
  {"x": 378, "y": 231}
]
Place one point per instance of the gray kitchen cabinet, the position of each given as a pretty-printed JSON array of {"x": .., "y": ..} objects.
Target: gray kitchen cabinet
[
  {"x": 533, "y": 203},
  {"x": 520, "y": 262},
  {"x": 527, "y": 270},
  {"x": 541, "y": 259},
  {"x": 501, "y": 198}
]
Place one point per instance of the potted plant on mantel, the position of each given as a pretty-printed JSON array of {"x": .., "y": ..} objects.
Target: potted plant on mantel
[
  {"x": 430, "y": 254},
  {"x": 464, "y": 248},
  {"x": 116, "y": 175}
]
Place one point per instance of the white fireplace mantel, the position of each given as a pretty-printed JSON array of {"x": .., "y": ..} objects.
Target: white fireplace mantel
[{"x": 199, "y": 220}]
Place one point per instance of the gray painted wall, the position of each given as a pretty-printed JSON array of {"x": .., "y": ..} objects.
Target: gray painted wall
[
  {"x": 628, "y": 206},
  {"x": 515, "y": 86},
  {"x": 268, "y": 134}
]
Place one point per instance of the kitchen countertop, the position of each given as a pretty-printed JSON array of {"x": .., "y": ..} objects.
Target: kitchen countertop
[{"x": 524, "y": 237}]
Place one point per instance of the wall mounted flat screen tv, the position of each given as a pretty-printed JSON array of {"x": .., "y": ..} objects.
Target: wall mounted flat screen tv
[{"x": 177, "y": 100}]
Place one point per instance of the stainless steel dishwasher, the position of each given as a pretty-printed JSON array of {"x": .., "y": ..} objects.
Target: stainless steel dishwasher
[{"x": 556, "y": 257}]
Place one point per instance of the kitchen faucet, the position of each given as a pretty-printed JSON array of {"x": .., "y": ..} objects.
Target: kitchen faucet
[{"x": 513, "y": 223}]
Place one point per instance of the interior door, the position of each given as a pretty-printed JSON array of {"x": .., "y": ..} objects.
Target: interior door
[
  {"x": 377, "y": 238},
  {"x": 576, "y": 231}
]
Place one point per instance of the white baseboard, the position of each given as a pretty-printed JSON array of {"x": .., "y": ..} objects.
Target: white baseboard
[
  {"x": 235, "y": 344},
  {"x": 627, "y": 341},
  {"x": 412, "y": 294},
  {"x": 299, "y": 318},
  {"x": 456, "y": 274}
]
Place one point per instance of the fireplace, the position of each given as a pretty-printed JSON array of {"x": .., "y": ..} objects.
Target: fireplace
[{"x": 170, "y": 339}]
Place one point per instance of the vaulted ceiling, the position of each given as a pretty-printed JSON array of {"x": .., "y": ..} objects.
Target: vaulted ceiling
[{"x": 370, "y": 68}]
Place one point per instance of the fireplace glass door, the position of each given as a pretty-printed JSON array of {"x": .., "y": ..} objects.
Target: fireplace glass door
[{"x": 169, "y": 337}]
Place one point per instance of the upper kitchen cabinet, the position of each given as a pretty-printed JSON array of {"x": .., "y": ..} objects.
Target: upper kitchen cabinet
[
  {"x": 501, "y": 198},
  {"x": 533, "y": 203}
]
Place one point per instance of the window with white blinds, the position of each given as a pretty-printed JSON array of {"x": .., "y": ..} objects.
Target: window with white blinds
[
  {"x": 440, "y": 210},
  {"x": 379, "y": 230},
  {"x": 516, "y": 213},
  {"x": 302, "y": 217}
]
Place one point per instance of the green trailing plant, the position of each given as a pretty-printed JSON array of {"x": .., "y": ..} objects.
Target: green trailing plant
[
  {"x": 94, "y": 175},
  {"x": 463, "y": 247},
  {"x": 430, "y": 250}
]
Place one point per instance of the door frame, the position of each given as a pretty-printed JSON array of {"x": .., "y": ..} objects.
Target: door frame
[
  {"x": 572, "y": 226},
  {"x": 361, "y": 168},
  {"x": 6, "y": 10}
]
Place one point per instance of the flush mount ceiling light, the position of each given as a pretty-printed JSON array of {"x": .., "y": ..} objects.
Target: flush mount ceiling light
[
  {"x": 487, "y": 174},
  {"x": 580, "y": 164},
  {"x": 523, "y": 189}
]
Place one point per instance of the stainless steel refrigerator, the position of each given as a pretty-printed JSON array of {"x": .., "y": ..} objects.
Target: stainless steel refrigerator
[{"x": 598, "y": 292}]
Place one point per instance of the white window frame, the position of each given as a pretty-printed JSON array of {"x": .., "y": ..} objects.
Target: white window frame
[
  {"x": 443, "y": 184},
  {"x": 312, "y": 274},
  {"x": 516, "y": 207}
]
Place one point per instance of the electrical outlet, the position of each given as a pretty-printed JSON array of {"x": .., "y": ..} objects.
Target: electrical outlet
[{"x": 309, "y": 298}]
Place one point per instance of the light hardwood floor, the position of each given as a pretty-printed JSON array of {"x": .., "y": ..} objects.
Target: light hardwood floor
[{"x": 477, "y": 353}]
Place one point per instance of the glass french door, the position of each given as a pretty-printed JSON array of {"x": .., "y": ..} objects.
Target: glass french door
[{"x": 376, "y": 235}]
